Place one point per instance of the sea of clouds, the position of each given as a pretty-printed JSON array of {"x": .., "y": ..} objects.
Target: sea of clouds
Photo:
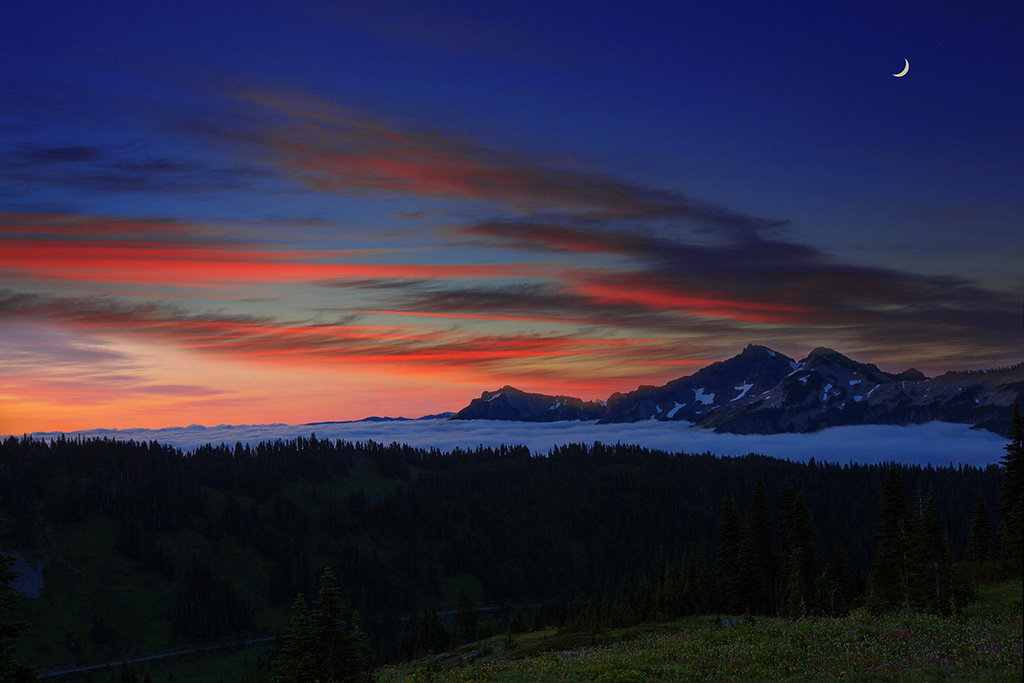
[{"x": 937, "y": 443}]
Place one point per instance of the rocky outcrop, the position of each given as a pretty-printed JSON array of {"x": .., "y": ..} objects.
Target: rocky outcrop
[{"x": 509, "y": 403}]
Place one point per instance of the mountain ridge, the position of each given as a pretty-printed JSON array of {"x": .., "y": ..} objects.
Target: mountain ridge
[{"x": 762, "y": 391}]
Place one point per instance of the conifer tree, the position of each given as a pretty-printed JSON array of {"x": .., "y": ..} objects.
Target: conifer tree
[
  {"x": 465, "y": 627},
  {"x": 362, "y": 652},
  {"x": 672, "y": 590},
  {"x": 643, "y": 600},
  {"x": 837, "y": 590},
  {"x": 746, "y": 571},
  {"x": 890, "y": 579},
  {"x": 1012, "y": 490},
  {"x": 758, "y": 567},
  {"x": 690, "y": 595},
  {"x": 978, "y": 545},
  {"x": 333, "y": 651},
  {"x": 931, "y": 575},
  {"x": 727, "y": 552},
  {"x": 705, "y": 592},
  {"x": 797, "y": 553},
  {"x": 431, "y": 636},
  {"x": 297, "y": 661}
]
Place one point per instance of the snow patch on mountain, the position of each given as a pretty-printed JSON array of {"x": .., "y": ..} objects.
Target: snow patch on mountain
[
  {"x": 706, "y": 399},
  {"x": 743, "y": 389}
]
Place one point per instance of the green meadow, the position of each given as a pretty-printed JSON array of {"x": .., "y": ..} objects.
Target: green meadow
[{"x": 982, "y": 644}]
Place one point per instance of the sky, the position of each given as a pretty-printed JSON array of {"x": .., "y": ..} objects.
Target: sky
[{"x": 238, "y": 213}]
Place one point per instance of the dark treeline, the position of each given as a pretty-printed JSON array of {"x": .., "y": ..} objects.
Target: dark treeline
[{"x": 571, "y": 529}]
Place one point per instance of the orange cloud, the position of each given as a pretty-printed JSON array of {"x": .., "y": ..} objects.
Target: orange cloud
[{"x": 269, "y": 340}]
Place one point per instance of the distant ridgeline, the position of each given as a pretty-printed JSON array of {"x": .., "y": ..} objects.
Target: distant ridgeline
[
  {"x": 140, "y": 542},
  {"x": 761, "y": 391}
]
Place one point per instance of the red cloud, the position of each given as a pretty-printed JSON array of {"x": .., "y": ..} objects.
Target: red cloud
[
  {"x": 268, "y": 340},
  {"x": 617, "y": 289},
  {"x": 95, "y": 250},
  {"x": 332, "y": 148}
]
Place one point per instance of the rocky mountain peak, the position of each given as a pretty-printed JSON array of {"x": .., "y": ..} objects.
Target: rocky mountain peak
[
  {"x": 762, "y": 391},
  {"x": 911, "y": 375}
]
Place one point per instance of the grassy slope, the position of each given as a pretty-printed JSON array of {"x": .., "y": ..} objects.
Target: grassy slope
[{"x": 984, "y": 643}]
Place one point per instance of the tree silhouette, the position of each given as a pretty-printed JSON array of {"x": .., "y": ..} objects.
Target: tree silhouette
[
  {"x": 978, "y": 546},
  {"x": 797, "y": 553},
  {"x": 727, "y": 557},
  {"x": 1012, "y": 490},
  {"x": 932, "y": 579},
  {"x": 297, "y": 661},
  {"x": 890, "y": 580},
  {"x": 465, "y": 627}
]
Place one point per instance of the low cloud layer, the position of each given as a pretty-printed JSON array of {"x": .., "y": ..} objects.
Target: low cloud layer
[{"x": 937, "y": 443}]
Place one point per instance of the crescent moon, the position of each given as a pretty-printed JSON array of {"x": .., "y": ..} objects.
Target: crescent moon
[{"x": 905, "y": 69}]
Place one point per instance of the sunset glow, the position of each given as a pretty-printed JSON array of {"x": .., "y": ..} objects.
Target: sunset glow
[{"x": 341, "y": 215}]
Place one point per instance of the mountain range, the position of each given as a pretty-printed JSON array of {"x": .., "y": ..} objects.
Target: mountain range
[{"x": 761, "y": 391}]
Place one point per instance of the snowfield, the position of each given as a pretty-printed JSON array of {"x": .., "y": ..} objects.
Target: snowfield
[{"x": 938, "y": 443}]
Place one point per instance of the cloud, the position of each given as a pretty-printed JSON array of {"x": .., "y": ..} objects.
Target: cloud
[
  {"x": 33, "y": 347},
  {"x": 541, "y": 302},
  {"x": 759, "y": 280},
  {"x": 331, "y": 148},
  {"x": 268, "y": 340},
  {"x": 60, "y": 225},
  {"x": 95, "y": 249},
  {"x": 55, "y": 364},
  {"x": 120, "y": 169}
]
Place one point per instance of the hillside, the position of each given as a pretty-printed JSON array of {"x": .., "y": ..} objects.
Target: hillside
[
  {"x": 144, "y": 547},
  {"x": 984, "y": 645}
]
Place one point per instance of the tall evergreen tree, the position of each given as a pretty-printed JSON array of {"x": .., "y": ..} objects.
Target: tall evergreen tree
[
  {"x": 727, "y": 555},
  {"x": 672, "y": 590},
  {"x": 362, "y": 652},
  {"x": 431, "y": 636},
  {"x": 465, "y": 627},
  {"x": 747, "y": 571},
  {"x": 705, "y": 593},
  {"x": 979, "y": 542},
  {"x": 333, "y": 648},
  {"x": 758, "y": 566},
  {"x": 1012, "y": 489},
  {"x": 890, "y": 579},
  {"x": 931, "y": 574},
  {"x": 797, "y": 553},
  {"x": 297, "y": 661},
  {"x": 838, "y": 590}
]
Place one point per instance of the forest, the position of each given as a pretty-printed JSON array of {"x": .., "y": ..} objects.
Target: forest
[{"x": 229, "y": 542}]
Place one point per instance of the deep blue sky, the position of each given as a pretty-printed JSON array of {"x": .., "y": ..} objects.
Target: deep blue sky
[{"x": 564, "y": 196}]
